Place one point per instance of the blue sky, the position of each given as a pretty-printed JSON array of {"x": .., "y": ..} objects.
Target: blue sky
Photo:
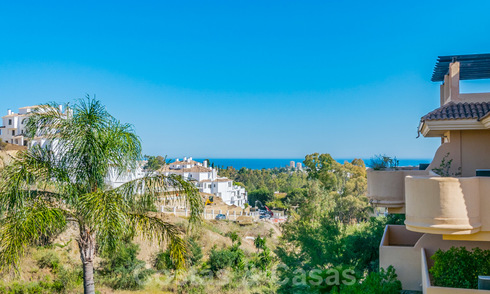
[{"x": 245, "y": 79}]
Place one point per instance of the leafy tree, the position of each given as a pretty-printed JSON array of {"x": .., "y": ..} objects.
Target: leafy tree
[
  {"x": 322, "y": 167},
  {"x": 154, "y": 162},
  {"x": 361, "y": 247},
  {"x": 296, "y": 196},
  {"x": 263, "y": 195},
  {"x": 346, "y": 184},
  {"x": 282, "y": 180},
  {"x": 45, "y": 188}
]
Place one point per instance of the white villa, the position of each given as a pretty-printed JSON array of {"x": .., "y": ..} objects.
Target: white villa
[
  {"x": 116, "y": 179},
  {"x": 207, "y": 180},
  {"x": 13, "y": 129}
]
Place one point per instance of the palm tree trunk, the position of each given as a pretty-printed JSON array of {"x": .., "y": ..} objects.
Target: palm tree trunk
[{"x": 86, "y": 244}]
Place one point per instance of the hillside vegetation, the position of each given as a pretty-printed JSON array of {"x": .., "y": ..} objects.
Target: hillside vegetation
[{"x": 53, "y": 266}]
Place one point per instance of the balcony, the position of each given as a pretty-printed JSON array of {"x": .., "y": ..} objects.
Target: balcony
[
  {"x": 428, "y": 288},
  {"x": 447, "y": 205},
  {"x": 386, "y": 188},
  {"x": 398, "y": 248}
]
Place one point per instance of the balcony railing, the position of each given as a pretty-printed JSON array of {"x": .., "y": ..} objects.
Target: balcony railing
[
  {"x": 447, "y": 205},
  {"x": 386, "y": 188}
]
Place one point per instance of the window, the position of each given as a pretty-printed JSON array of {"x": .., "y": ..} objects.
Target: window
[
  {"x": 13, "y": 132},
  {"x": 229, "y": 184},
  {"x": 0, "y": 132},
  {"x": 10, "y": 122}
]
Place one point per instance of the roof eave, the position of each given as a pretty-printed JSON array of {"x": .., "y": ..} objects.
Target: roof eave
[{"x": 437, "y": 128}]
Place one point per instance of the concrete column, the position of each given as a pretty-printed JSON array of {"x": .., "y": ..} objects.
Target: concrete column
[
  {"x": 212, "y": 214},
  {"x": 454, "y": 81},
  {"x": 175, "y": 211}
]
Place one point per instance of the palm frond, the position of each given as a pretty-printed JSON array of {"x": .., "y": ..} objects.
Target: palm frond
[
  {"x": 106, "y": 213},
  {"x": 155, "y": 187},
  {"x": 22, "y": 228},
  {"x": 32, "y": 170},
  {"x": 46, "y": 120},
  {"x": 156, "y": 229}
]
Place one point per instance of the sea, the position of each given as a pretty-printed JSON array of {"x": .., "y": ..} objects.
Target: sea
[{"x": 267, "y": 163}]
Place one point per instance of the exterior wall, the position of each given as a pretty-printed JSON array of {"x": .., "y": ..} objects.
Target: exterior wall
[
  {"x": 475, "y": 151},
  {"x": 443, "y": 205},
  {"x": 468, "y": 149},
  {"x": 387, "y": 188},
  {"x": 455, "y": 207},
  {"x": 398, "y": 249},
  {"x": 402, "y": 249}
]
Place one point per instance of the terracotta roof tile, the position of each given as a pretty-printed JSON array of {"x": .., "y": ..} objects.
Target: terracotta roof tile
[
  {"x": 197, "y": 168},
  {"x": 471, "y": 110}
]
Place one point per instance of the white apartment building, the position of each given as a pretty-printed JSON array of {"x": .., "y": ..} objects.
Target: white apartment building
[
  {"x": 116, "y": 179},
  {"x": 13, "y": 129},
  {"x": 207, "y": 180}
]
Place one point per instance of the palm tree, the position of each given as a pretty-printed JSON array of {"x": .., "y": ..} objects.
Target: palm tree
[{"x": 46, "y": 188}]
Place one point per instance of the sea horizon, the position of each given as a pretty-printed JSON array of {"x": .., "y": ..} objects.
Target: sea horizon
[{"x": 268, "y": 163}]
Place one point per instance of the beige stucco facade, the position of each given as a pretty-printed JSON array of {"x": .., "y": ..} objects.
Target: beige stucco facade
[
  {"x": 386, "y": 188},
  {"x": 442, "y": 211},
  {"x": 401, "y": 248}
]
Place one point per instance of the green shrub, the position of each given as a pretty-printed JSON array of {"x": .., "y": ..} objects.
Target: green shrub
[
  {"x": 233, "y": 236},
  {"x": 49, "y": 259},
  {"x": 163, "y": 261},
  {"x": 195, "y": 251},
  {"x": 459, "y": 267},
  {"x": 66, "y": 280},
  {"x": 41, "y": 287},
  {"x": 122, "y": 270},
  {"x": 382, "y": 282},
  {"x": 379, "y": 162},
  {"x": 225, "y": 258},
  {"x": 264, "y": 259}
]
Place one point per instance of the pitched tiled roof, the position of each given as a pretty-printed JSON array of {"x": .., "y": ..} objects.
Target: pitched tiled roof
[
  {"x": 197, "y": 168},
  {"x": 471, "y": 110},
  {"x": 216, "y": 180},
  {"x": 183, "y": 162}
]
